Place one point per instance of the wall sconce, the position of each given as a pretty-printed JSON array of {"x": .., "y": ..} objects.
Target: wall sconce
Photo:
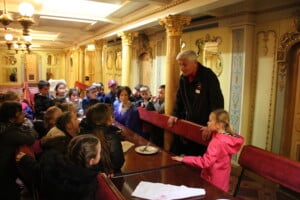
[{"x": 26, "y": 10}]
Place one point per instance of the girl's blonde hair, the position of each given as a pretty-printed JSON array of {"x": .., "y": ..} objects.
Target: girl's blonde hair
[{"x": 222, "y": 116}]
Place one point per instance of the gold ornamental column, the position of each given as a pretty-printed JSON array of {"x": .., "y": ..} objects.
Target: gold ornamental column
[
  {"x": 173, "y": 25},
  {"x": 68, "y": 68},
  {"x": 98, "y": 71},
  {"x": 127, "y": 39},
  {"x": 81, "y": 71}
]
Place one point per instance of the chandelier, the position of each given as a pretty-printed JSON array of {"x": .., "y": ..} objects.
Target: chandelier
[
  {"x": 26, "y": 11},
  {"x": 22, "y": 44},
  {"x": 25, "y": 20}
]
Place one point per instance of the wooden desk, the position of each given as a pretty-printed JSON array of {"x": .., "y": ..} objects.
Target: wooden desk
[
  {"x": 137, "y": 163},
  {"x": 175, "y": 175},
  {"x": 157, "y": 168}
]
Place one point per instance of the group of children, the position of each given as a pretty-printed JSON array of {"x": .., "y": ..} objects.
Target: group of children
[{"x": 67, "y": 159}]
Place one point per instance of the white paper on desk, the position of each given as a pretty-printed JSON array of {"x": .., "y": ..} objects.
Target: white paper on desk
[
  {"x": 160, "y": 191},
  {"x": 126, "y": 145}
]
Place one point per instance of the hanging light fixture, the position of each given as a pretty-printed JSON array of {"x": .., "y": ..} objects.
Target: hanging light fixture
[
  {"x": 9, "y": 37},
  {"x": 5, "y": 18},
  {"x": 26, "y": 11},
  {"x": 21, "y": 44}
]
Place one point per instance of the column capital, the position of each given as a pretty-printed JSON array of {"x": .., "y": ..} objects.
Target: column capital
[
  {"x": 99, "y": 44},
  {"x": 67, "y": 51},
  {"x": 174, "y": 24},
  {"x": 82, "y": 48},
  {"x": 128, "y": 37}
]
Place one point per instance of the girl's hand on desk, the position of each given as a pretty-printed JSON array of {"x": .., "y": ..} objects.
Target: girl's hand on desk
[
  {"x": 177, "y": 158},
  {"x": 19, "y": 156},
  {"x": 107, "y": 175}
]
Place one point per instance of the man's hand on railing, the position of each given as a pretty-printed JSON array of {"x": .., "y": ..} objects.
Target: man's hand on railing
[{"x": 172, "y": 120}]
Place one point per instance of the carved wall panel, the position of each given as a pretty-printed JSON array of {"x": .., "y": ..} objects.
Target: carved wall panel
[
  {"x": 286, "y": 41},
  {"x": 9, "y": 69},
  {"x": 236, "y": 80},
  {"x": 112, "y": 63},
  {"x": 265, "y": 96},
  {"x": 209, "y": 54},
  {"x": 90, "y": 66},
  {"x": 31, "y": 68},
  {"x": 145, "y": 65}
]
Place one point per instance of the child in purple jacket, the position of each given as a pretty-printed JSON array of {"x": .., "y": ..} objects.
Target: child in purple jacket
[{"x": 126, "y": 113}]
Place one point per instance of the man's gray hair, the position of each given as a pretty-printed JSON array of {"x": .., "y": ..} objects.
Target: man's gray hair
[{"x": 187, "y": 54}]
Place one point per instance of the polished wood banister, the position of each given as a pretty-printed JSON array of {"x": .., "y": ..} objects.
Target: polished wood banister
[
  {"x": 107, "y": 190},
  {"x": 271, "y": 166},
  {"x": 183, "y": 128}
]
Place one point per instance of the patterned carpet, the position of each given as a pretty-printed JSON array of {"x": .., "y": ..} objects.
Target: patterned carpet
[{"x": 254, "y": 187}]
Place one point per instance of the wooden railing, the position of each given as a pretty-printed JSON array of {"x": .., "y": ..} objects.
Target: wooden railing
[
  {"x": 183, "y": 128},
  {"x": 107, "y": 190},
  {"x": 273, "y": 167}
]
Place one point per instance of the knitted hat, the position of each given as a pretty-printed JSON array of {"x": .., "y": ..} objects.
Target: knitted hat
[{"x": 112, "y": 82}]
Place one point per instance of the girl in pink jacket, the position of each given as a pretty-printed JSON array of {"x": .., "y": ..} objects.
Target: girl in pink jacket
[{"x": 216, "y": 162}]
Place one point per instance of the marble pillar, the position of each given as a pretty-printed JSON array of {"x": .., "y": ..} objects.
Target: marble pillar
[
  {"x": 81, "y": 71},
  {"x": 173, "y": 25},
  {"x": 127, "y": 39},
  {"x": 98, "y": 71}
]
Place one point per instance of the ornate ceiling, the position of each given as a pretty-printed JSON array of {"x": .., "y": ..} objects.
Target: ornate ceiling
[{"x": 129, "y": 15}]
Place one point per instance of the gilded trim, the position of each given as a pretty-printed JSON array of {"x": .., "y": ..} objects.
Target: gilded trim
[
  {"x": 272, "y": 103},
  {"x": 286, "y": 41}
]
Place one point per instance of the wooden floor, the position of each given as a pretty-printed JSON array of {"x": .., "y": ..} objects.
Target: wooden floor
[{"x": 256, "y": 188}]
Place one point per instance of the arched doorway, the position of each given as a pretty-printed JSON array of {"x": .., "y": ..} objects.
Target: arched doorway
[
  {"x": 290, "y": 145},
  {"x": 288, "y": 57}
]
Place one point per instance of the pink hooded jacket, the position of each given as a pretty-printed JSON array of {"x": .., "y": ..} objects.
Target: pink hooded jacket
[{"x": 216, "y": 162}]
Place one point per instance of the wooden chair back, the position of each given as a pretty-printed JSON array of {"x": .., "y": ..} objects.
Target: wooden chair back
[
  {"x": 270, "y": 166},
  {"x": 107, "y": 190}
]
